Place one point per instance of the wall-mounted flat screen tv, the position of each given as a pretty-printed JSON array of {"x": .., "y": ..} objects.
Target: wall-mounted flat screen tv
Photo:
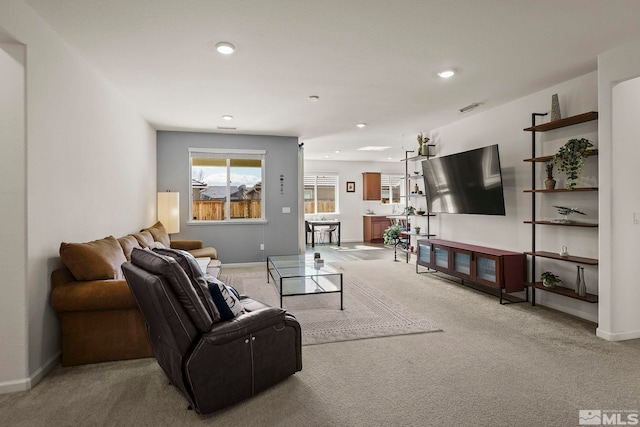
[{"x": 466, "y": 183}]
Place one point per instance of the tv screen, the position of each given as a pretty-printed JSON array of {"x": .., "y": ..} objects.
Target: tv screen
[{"x": 467, "y": 183}]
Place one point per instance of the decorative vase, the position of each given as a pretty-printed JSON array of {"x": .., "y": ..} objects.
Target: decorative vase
[
  {"x": 555, "y": 108},
  {"x": 416, "y": 189},
  {"x": 577, "y": 285},
  {"x": 582, "y": 288},
  {"x": 424, "y": 149},
  {"x": 550, "y": 183}
]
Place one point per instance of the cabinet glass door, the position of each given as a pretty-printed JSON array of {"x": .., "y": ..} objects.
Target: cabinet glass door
[
  {"x": 442, "y": 257},
  {"x": 462, "y": 262},
  {"x": 486, "y": 270},
  {"x": 424, "y": 253}
]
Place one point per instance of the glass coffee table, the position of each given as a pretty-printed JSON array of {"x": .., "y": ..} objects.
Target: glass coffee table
[{"x": 297, "y": 275}]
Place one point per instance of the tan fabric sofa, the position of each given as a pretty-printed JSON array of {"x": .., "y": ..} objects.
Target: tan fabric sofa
[{"x": 99, "y": 318}]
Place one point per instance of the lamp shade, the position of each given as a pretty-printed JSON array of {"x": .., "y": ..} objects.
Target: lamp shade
[{"x": 169, "y": 211}]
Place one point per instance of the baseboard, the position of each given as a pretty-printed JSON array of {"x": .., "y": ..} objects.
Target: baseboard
[
  {"x": 29, "y": 382},
  {"x": 244, "y": 264},
  {"x": 617, "y": 336}
]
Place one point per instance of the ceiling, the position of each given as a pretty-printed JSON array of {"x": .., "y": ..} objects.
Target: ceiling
[{"x": 371, "y": 61}]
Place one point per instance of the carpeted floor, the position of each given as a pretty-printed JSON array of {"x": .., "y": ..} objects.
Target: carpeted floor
[
  {"x": 493, "y": 365},
  {"x": 367, "y": 313}
]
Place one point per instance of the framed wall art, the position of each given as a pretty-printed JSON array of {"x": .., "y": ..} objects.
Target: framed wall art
[{"x": 351, "y": 187}]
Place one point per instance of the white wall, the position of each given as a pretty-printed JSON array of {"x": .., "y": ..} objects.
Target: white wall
[
  {"x": 13, "y": 203},
  {"x": 619, "y": 100},
  {"x": 351, "y": 205},
  {"x": 504, "y": 126},
  {"x": 90, "y": 172}
]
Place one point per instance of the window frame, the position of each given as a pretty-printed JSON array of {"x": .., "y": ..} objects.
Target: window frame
[{"x": 228, "y": 154}]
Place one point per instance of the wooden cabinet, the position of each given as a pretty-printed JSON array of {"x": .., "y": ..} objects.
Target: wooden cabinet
[
  {"x": 373, "y": 228},
  {"x": 533, "y": 283},
  {"x": 496, "y": 268},
  {"x": 371, "y": 186}
]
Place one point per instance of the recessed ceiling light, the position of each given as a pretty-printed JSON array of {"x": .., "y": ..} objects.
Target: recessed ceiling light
[
  {"x": 446, "y": 74},
  {"x": 314, "y": 98},
  {"x": 337, "y": 151},
  {"x": 227, "y": 117},
  {"x": 361, "y": 125},
  {"x": 225, "y": 48},
  {"x": 373, "y": 148}
]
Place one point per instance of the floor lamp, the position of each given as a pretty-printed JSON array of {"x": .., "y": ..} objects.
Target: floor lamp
[{"x": 169, "y": 211}]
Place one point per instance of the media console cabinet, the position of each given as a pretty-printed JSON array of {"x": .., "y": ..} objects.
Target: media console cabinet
[{"x": 495, "y": 268}]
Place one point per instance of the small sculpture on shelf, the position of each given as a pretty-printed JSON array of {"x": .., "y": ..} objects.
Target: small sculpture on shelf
[
  {"x": 555, "y": 108},
  {"x": 550, "y": 183},
  {"x": 565, "y": 212}
]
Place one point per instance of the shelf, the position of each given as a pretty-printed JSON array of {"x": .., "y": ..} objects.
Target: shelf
[
  {"x": 414, "y": 195},
  {"x": 569, "y": 258},
  {"x": 589, "y": 152},
  {"x": 574, "y": 224},
  {"x": 561, "y": 190},
  {"x": 569, "y": 121},
  {"x": 414, "y": 176},
  {"x": 591, "y": 298},
  {"x": 415, "y": 158}
]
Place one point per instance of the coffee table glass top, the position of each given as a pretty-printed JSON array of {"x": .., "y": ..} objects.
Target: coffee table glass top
[
  {"x": 297, "y": 275},
  {"x": 299, "y": 266}
]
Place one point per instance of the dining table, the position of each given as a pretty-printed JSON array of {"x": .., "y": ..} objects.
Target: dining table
[{"x": 323, "y": 223}]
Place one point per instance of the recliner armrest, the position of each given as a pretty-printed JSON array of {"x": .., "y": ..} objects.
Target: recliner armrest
[{"x": 244, "y": 324}]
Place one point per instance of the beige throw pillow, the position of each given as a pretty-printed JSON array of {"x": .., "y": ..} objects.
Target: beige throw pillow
[
  {"x": 159, "y": 234},
  {"x": 95, "y": 260}
]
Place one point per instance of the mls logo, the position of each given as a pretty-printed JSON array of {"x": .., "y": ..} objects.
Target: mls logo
[{"x": 590, "y": 417}]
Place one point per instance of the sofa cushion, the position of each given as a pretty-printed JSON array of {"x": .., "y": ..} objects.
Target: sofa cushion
[
  {"x": 228, "y": 305},
  {"x": 177, "y": 279},
  {"x": 196, "y": 276},
  {"x": 128, "y": 243},
  {"x": 144, "y": 238},
  {"x": 159, "y": 234},
  {"x": 95, "y": 260}
]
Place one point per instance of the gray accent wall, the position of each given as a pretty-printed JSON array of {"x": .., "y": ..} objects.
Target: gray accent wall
[{"x": 237, "y": 242}]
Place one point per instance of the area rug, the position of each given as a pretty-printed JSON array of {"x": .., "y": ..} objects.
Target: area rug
[{"x": 367, "y": 313}]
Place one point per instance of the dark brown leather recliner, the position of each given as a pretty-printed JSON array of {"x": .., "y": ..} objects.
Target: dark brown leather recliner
[{"x": 213, "y": 363}]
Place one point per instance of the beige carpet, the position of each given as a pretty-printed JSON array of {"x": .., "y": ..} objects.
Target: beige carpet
[{"x": 367, "y": 313}]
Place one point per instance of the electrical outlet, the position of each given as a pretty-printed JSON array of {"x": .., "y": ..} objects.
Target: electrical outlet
[
  {"x": 636, "y": 217},
  {"x": 262, "y": 246}
]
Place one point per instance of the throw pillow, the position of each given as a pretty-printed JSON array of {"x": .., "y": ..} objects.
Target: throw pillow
[
  {"x": 157, "y": 245},
  {"x": 128, "y": 243},
  {"x": 159, "y": 234},
  {"x": 95, "y": 260},
  {"x": 228, "y": 305},
  {"x": 144, "y": 238}
]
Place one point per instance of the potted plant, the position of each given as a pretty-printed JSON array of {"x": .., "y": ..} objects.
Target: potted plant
[
  {"x": 409, "y": 210},
  {"x": 417, "y": 229},
  {"x": 549, "y": 279},
  {"x": 571, "y": 157},
  {"x": 392, "y": 234}
]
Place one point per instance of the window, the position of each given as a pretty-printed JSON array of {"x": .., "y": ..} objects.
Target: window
[
  {"x": 390, "y": 188},
  {"x": 320, "y": 194},
  {"x": 226, "y": 185}
]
